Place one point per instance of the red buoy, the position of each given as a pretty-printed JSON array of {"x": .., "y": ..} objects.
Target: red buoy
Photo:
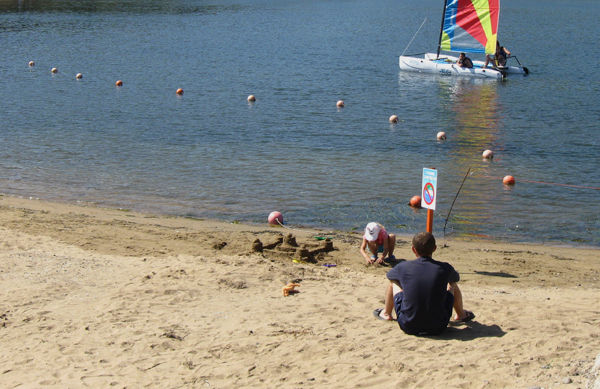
[
  {"x": 119, "y": 83},
  {"x": 508, "y": 180},
  {"x": 415, "y": 202},
  {"x": 179, "y": 91}
]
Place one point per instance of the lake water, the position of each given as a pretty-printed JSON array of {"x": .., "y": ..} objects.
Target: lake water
[{"x": 209, "y": 153}]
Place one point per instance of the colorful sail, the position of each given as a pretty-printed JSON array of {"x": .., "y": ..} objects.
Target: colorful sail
[{"x": 470, "y": 26}]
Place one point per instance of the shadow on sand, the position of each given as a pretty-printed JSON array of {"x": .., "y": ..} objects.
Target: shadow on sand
[
  {"x": 495, "y": 274},
  {"x": 469, "y": 331},
  {"x": 392, "y": 262}
]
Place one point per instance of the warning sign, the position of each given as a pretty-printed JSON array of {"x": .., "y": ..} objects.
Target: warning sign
[{"x": 429, "y": 188}]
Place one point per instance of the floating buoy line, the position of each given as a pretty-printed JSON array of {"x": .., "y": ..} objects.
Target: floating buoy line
[
  {"x": 545, "y": 183},
  {"x": 276, "y": 218}
]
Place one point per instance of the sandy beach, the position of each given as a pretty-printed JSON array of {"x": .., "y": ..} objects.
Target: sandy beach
[{"x": 95, "y": 297}]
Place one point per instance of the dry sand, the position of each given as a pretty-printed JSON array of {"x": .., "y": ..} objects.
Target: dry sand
[{"x": 107, "y": 298}]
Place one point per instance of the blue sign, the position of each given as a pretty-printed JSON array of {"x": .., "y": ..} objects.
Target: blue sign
[{"x": 429, "y": 188}]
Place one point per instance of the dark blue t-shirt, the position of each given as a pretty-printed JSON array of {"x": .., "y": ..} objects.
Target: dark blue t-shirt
[{"x": 425, "y": 305}]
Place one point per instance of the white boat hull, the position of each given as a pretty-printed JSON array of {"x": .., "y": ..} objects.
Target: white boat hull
[
  {"x": 446, "y": 68},
  {"x": 446, "y": 65},
  {"x": 479, "y": 64}
]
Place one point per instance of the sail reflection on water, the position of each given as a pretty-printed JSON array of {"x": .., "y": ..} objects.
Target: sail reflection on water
[{"x": 473, "y": 104}]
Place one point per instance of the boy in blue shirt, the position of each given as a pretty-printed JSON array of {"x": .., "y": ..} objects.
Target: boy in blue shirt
[{"x": 423, "y": 292}]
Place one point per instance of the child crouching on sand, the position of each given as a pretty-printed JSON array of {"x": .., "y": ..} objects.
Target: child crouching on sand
[{"x": 377, "y": 240}]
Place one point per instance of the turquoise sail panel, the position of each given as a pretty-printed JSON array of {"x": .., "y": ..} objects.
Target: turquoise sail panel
[{"x": 470, "y": 26}]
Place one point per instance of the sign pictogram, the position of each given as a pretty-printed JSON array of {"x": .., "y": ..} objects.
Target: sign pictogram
[{"x": 428, "y": 193}]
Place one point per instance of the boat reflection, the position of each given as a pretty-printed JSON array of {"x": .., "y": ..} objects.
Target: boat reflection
[{"x": 473, "y": 106}]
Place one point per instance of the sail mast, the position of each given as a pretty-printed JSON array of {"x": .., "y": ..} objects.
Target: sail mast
[{"x": 441, "y": 30}]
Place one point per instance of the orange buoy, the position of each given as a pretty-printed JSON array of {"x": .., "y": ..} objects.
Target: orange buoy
[
  {"x": 508, "y": 180},
  {"x": 31, "y": 64},
  {"x": 441, "y": 135},
  {"x": 488, "y": 154},
  {"x": 179, "y": 91},
  {"x": 394, "y": 119},
  {"x": 251, "y": 99},
  {"x": 78, "y": 76},
  {"x": 340, "y": 104},
  {"x": 415, "y": 202},
  {"x": 119, "y": 83},
  {"x": 54, "y": 70}
]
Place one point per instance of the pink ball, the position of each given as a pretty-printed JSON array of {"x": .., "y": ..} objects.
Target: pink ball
[{"x": 275, "y": 218}]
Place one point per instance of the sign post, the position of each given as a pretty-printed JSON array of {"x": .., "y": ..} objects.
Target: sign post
[{"x": 429, "y": 195}]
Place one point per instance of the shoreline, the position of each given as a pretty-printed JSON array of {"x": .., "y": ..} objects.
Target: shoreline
[
  {"x": 103, "y": 297},
  {"x": 49, "y": 218},
  {"x": 465, "y": 237}
]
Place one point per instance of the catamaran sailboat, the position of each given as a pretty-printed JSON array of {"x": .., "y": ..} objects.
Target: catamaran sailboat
[{"x": 469, "y": 26}]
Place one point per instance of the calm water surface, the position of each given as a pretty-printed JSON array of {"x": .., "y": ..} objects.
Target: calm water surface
[{"x": 209, "y": 153}]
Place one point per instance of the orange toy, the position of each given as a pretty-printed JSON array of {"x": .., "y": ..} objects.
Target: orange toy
[{"x": 289, "y": 289}]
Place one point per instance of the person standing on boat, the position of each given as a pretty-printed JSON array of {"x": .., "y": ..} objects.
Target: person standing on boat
[
  {"x": 499, "y": 58},
  {"x": 464, "y": 61}
]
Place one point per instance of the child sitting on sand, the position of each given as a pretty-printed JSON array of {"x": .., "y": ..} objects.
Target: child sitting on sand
[
  {"x": 423, "y": 292},
  {"x": 377, "y": 240}
]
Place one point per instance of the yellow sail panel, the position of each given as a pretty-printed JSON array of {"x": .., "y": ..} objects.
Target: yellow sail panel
[{"x": 445, "y": 44}]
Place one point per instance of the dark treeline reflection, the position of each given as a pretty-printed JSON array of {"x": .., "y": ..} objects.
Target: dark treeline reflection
[{"x": 112, "y": 6}]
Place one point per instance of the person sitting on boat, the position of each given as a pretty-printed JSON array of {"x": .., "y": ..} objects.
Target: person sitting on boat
[
  {"x": 464, "y": 61},
  {"x": 499, "y": 58}
]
